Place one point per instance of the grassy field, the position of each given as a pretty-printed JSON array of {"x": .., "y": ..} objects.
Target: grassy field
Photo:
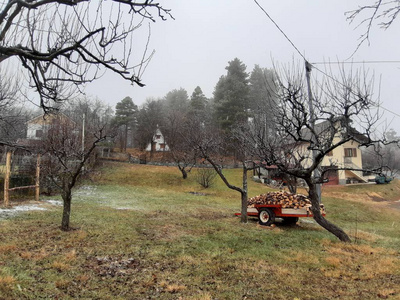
[{"x": 142, "y": 232}]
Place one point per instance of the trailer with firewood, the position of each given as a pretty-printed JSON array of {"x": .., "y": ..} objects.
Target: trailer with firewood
[{"x": 289, "y": 207}]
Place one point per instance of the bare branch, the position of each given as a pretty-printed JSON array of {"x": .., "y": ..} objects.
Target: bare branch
[
  {"x": 72, "y": 41},
  {"x": 385, "y": 11}
]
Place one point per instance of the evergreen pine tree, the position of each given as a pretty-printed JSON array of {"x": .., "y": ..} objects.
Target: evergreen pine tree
[
  {"x": 231, "y": 95},
  {"x": 125, "y": 116},
  {"x": 198, "y": 102},
  {"x": 262, "y": 96}
]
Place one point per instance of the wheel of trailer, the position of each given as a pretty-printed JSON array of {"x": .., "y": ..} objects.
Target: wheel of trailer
[
  {"x": 266, "y": 216},
  {"x": 290, "y": 220}
]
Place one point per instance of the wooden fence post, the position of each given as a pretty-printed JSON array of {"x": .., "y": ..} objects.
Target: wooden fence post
[
  {"x": 37, "y": 182},
  {"x": 7, "y": 179}
]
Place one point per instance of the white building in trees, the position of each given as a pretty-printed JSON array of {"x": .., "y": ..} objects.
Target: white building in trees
[{"x": 158, "y": 142}]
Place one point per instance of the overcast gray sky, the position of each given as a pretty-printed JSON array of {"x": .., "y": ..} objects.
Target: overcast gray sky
[{"x": 194, "y": 49}]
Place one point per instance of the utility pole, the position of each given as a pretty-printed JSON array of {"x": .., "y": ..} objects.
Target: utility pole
[
  {"x": 83, "y": 132},
  {"x": 7, "y": 179},
  {"x": 83, "y": 138},
  {"x": 37, "y": 180},
  {"x": 317, "y": 174}
]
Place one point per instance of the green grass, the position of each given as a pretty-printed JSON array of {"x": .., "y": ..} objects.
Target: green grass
[{"x": 140, "y": 234}]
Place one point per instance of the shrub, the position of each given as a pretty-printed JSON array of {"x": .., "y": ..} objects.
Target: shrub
[{"x": 205, "y": 177}]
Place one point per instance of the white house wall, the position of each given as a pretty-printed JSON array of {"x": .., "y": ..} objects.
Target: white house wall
[
  {"x": 158, "y": 142},
  {"x": 337, "y": 158},
  {"x": 31, "y": 132}
]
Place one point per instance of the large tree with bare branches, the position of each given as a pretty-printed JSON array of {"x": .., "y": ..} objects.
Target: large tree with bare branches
[
  {"x": 214, "y": 145},
  {"x": 309, "y": 129},
  {"x": 68, "y": 145},
  {"x": 64, "y": 44}
]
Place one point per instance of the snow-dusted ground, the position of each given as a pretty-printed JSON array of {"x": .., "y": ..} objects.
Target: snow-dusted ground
[
  {"x": 82, "y": 192},
  {"x": 54, "y": 202},
  {"x": 86, "y": 193},
  {"x": 6, "y": 213}
]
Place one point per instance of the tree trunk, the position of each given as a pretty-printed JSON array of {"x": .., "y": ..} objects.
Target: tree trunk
[
  {"x": 183, "y": 171},
  {"x": 121, "y": 141},
  {"x": 291, "y": 183},
  {"x": 243, "y": 216},
  {"x": 66, "y": 196},
  {"x": 126, "y": 137},
  {"x": 242, "y": 191},
  {"x": 332, "y": 228},
  {"x": 244, "y": 195}
]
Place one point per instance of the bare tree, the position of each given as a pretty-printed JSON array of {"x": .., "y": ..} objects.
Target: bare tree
[
  {"x": 65, "y": 44},
  {"x": 66, "y": 153},
  {"x": 340, "y": 105},
  {"x": 13, "y": 115},
  {"x": 177, "y": 125},
  {"x": 384, "y": 156},
  {"x": 214, "y": 146},
  {"x": 182, "y": 152},
  {"x": 205, "y": 176},
  {"x": 13, "y": 124},
  {"x": 8, "y": 91}
]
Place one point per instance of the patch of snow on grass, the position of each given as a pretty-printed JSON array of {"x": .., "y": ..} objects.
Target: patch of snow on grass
[
  {"x": 54, "y": 202},
  {"x": 11, "y": 212},
  {"x": 28, "y": 208},
  {"x": 86, "y": 190}
]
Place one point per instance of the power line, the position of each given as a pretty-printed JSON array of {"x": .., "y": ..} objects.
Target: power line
[
  {"x": 293, "y": 45},
  {"x": 358, "y": 62},
  {"x": 388, "y": 110},
  {"x": 326, "y": 63},
  {"x": 277, "y": 26}
]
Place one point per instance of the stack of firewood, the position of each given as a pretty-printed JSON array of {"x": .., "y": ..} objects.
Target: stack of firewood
[{"x": 285, "y": 199}]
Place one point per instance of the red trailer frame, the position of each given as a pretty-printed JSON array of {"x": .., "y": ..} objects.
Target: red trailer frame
[{"x": 266, "y": 213}]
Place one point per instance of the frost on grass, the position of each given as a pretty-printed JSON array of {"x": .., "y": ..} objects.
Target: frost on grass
[
  {"x": 86, "y": 190},
  {"x": 116, "y": 199},
  {"x": 89, "y": 192},
  {"x": 54, "y": 202},
  {"x": 6, "y": 213}
]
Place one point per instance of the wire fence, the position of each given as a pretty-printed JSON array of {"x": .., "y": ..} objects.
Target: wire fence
[{"x": 22, "y": 172}]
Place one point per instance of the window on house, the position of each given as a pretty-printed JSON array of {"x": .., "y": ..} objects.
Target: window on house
[
  {"x": 162, "y": 146},
  {"x": 158, "y": 136},
  {"x": 350, "y": 152},
  {"x": 39, "y": 133}
]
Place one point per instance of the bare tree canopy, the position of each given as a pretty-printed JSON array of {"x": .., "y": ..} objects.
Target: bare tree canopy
[
  {"x": 64, "y": 44},
  {"x": 13, "y": 114},
  {"x": 68, "y": 147},
  {"x": 341, "y": 114}
]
